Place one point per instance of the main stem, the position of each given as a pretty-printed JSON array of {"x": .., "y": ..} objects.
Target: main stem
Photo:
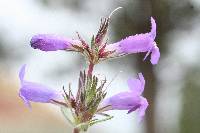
[
  {"x": 90, "y": 69},
  {"x": 76, "y": 130}
]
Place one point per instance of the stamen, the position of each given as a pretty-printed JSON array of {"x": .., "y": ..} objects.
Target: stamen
[{"x": 114, "y": 11}]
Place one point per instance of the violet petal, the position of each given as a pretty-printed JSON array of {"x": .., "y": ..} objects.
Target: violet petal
[
  {"x": 137, "y": 85},
  {"x": 35, "y": 92},
  {"x": 49, "y": 42},
  {"x": 155, "y": 55},
  {"x": 143, "y": 106}
]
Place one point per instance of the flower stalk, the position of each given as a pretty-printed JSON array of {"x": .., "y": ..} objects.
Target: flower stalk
[
  {"x": 90, "y": 69},
  {"x": 76, "y": 130}
]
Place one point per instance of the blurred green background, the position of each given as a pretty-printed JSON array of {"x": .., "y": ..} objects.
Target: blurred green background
[{"x": 172, "y": 86}]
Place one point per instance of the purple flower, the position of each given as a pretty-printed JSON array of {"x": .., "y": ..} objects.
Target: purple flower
[
  {"x": 130, "y": 100},
  {"x": 48, "y": 42},
  {"x": 138, "y": 43},
  {"x": 30, "y": 91}
]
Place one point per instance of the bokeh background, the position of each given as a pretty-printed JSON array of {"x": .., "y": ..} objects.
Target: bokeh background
[{"x": 172, "y": 86}]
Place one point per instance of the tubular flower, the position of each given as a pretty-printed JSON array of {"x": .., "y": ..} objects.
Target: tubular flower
[
  {"x": 130, "y": 100},
  {"x": 30, "y": 91},
  {"x": 138, "y": 43},
  {"x": 49, "y": 42}
]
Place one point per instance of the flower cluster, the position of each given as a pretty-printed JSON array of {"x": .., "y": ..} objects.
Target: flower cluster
[{"x": 90, "y": 100}]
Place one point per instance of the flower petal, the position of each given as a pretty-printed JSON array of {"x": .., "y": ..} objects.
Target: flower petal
[
  {"x": 133, "y": 109},
  {"x": 49, "y": 42},
  {"x": 22, "y": 73},
  {"x": 143, "y": 106},
  {"x": 137, "y": 85},
  {"x": 38, "y": 93},
  {"x": 26, "y": 102},
  {"x": 135, "y": 44},
  {"x": 155, "y": 55},
  {"x": 153, "y": 28},
  {"x": 122, "y": 101},
  {"x": 35, "y": 92}
]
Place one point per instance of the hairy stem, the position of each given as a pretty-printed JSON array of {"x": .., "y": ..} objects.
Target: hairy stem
[{"x": 90, "y": 69}]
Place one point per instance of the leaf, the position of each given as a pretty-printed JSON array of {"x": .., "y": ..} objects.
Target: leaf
[
  {"x": 108, "y": 107},
  {"x": 67, "y": 113},
  {"x": 92, "y": 42},
  {"x": 99, "y": 121}
]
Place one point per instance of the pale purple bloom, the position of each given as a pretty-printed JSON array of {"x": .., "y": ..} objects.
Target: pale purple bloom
[
  {"x": 49, "y": 42},
  {"x": 130, "y": 100},
  {"x": 35, "y": 92},
  {"x": 138, "y": 43}
]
